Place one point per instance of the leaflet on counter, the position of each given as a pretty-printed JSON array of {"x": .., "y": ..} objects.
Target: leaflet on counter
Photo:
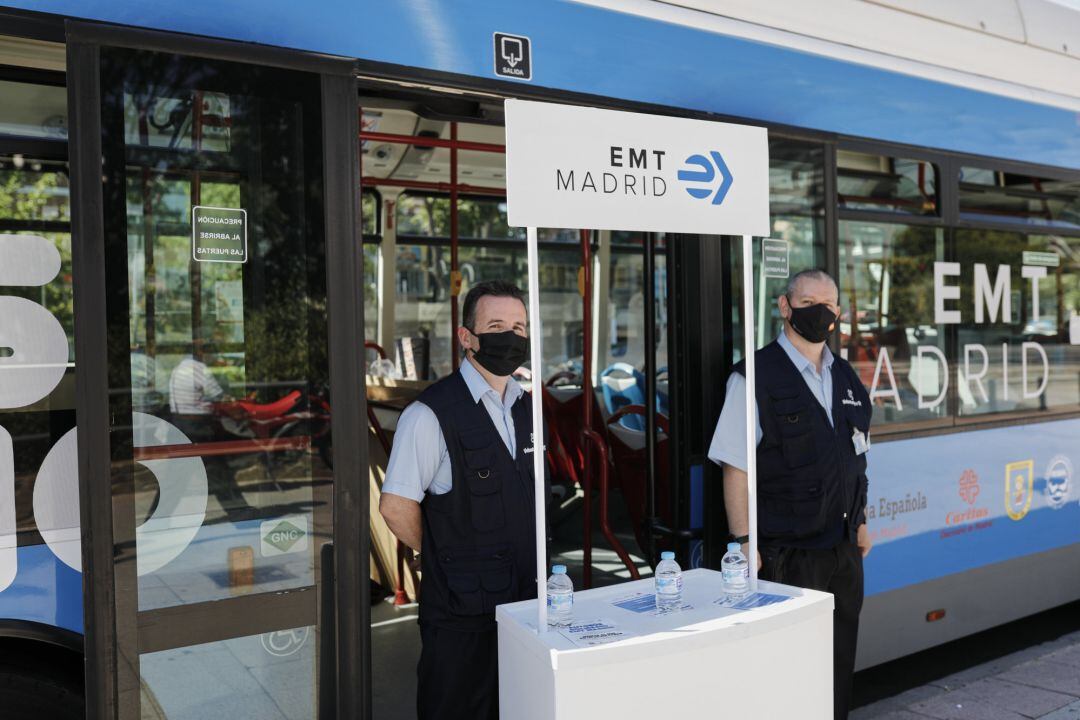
[
  {"x": 645, "y": 603},
  {"x": 594, "y": 632}
]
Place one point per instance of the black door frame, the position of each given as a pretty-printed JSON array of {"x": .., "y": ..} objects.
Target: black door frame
[{"x": 344, "y": 258}]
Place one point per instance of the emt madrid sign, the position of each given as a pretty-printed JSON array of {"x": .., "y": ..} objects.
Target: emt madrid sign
[{"x": 580, "y": 167}]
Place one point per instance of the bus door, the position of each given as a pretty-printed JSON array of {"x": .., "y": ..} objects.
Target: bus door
[{"x": 212, "y": 197}]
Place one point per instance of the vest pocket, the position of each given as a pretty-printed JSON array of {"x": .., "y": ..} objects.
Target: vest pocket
[
  {"x": 796, "y": 433},
  {"x": 478, "y": 580},
  {"x": 485, "y": 486},
  {"x": 792, "y": 512},
  {"x": 486, "y": 500}
]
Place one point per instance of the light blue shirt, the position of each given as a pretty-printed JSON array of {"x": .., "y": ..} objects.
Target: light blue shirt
[
  {"x": 729, "y": 439},
  {"x": 419, "y": 461}
]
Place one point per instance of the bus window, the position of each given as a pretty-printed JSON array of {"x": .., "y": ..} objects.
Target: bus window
[
  {"x": 886, "y": 184},
  {"x": 887, "y": 325},
  {"x": 994, "y": 196},
  {"x": 33, "y": 111},
  {"x": 1020, "y": 358},
  {"x": 797, "y": 216}
]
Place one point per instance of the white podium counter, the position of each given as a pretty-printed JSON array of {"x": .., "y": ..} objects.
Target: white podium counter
[{"x": 706, "y": 660}]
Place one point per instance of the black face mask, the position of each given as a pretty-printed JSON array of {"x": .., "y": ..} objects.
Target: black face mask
[
  {"x": 501, "y": 353},
  {"x": 814, "y": 322}
]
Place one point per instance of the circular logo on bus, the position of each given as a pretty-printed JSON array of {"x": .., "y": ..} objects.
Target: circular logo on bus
[
  {"x": 284, "y": 642},
  {"x": 1058, "y": 480}
]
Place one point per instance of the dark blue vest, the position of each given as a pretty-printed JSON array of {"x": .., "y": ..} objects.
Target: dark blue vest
[
  {"x": 479, "y": 540},
  {"x": 811, "y": 483}
]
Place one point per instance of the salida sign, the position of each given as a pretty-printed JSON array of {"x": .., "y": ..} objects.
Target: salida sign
[{"x": 575, "y": 167}]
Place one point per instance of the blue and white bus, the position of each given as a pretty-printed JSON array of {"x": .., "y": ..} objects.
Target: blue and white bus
[{"x": 208, "y": 210}]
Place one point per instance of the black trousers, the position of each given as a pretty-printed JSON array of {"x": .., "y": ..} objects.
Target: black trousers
[
  {"x": 458, "y": 675},
  {"x": 838, "y": 571}
]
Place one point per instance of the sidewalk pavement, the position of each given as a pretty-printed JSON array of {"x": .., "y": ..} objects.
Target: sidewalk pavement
[{"x": 1040, "y": 682}]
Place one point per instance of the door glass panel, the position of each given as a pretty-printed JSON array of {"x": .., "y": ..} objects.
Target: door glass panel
[
  {"x": 218, "y": 366},
  {"x": 258, "y": 677}
]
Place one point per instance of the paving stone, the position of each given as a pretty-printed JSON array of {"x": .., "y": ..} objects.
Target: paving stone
[
  {"x": 1048, "y": 675},
  {"x": 1022, "y": 699},
  {"x": 895, "y": 703},
  {"x": 1068, "y": 656},
  {"x": 895, "y": 715},
  {"x": 961, "y": 706},
  {"x": 1072, "y": 712}
]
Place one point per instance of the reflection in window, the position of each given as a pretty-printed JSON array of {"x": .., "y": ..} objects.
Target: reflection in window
[
  {"x": 369, "y": 212},
  {"x": 429, "y": 216},
  {"x": 886, "y": 184},
  {"x": 1008, "y": 197},
  {"x": 1018, "y": 329},
  {"x": 797, "y": 207},
  {"x": 887, "y": 322},
  {"x": 37, "y": 111},
  {"x": 34, "y": 189}
]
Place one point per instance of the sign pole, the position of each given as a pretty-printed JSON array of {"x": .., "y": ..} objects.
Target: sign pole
[
  {"x": 535, "y": 360},
  {"x": 749, "y": 347}
]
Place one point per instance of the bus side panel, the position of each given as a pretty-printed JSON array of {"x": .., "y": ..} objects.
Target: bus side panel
[
  {"x": 939, "y": 505},
  {"x": 45, "y": 590},
  {"x": 893, "y": 624}
]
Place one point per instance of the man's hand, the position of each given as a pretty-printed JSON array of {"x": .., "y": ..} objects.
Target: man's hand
[
  {"x": 746, "y": 553},
  {"x": 863, "y": 540}
]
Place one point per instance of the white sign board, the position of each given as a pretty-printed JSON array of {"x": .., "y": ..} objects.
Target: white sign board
[{"x": 580, "y": 167}]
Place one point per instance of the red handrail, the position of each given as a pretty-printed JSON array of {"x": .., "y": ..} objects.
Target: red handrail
[
  {"x": 605, "y": 526},
  {"x": 432, "y": 142},
  {"x": 370, "y": 345},
  {"x": 442, "y": 187},
  {"x": 224, "y": 447}
]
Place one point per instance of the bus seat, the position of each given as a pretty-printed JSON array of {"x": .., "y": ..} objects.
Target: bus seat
[{"x": 622, "y": 385}]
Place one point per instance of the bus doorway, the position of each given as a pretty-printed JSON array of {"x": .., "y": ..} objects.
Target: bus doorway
[
  {"x": 435, "y": 225},
  {"x": 223, "y": 570}
]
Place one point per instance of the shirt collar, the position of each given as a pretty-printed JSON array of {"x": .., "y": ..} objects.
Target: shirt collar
[
  {"x": 479, "y": 387},
  {"x": 800, "y": 361}
]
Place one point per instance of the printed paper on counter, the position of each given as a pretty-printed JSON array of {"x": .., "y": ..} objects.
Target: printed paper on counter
[{"x": 594, "y": 632}]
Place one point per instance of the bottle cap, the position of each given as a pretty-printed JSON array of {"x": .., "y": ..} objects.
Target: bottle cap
[
  {"x": 558, "y": 570},
  {"x": 667, "y": 555},
  {"x": 732, "y": 547}
]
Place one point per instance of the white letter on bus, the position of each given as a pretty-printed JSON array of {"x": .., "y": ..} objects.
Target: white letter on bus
[
  {"x": 9, "y": 550},
  {"x": 1033, "y": 273},
  {"x": 924, "y": 376},
  {"x": 1024, "y": 366},
  {"x": 976, "y": 378},
  {"x": 943, "y": 292},
  {"x": 1000, "y": 297},
  {"x": 893, "y": 392}
]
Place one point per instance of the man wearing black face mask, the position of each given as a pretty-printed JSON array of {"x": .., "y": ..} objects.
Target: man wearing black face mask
[
  {"x": 459, "y": 487},
  {"x": 813, "y": 436}
]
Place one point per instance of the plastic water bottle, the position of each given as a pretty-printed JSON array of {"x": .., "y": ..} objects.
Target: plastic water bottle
[
  {"x": 560, "y": 597},
  {"x": 668, "y": 583},
  {"x": 735, "y": 573}
]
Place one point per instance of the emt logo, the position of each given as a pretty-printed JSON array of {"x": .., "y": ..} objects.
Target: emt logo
[{"x": 705, "y": 175}]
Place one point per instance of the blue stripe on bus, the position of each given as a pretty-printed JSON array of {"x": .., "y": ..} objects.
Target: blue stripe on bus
[
  {"x": 586, "y": 49},
  {"x": 937, "y": 505},
  {"x": 45, "y": 590}
]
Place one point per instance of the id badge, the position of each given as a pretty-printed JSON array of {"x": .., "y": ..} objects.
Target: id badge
[{"x": 860, "y": 441}]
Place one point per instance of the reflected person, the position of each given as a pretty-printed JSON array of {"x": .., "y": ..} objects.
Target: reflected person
[
  {"x": 459, "y": 487},
  {"x": 812, "y": 441}
]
